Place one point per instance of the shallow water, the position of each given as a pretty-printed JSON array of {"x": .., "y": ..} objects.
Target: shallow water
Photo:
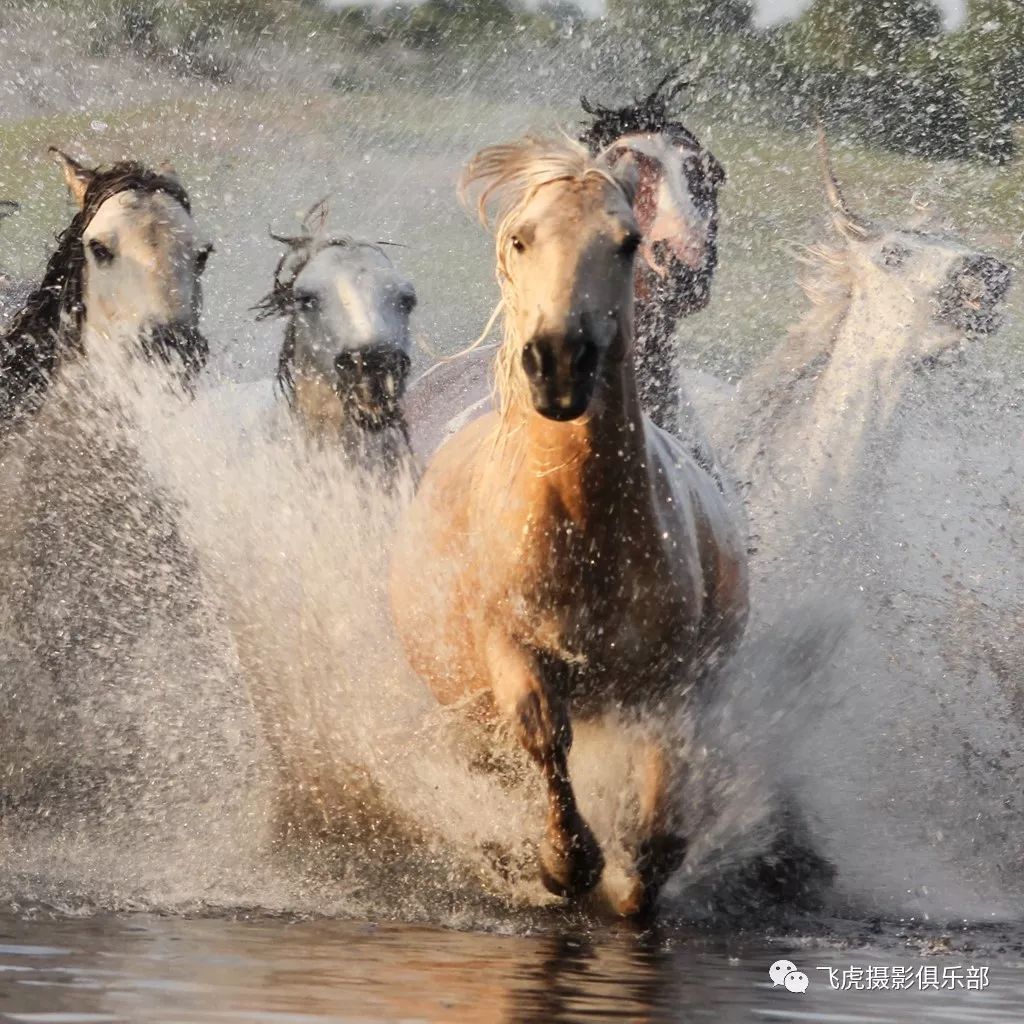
[{"x": 141, "y": 968}]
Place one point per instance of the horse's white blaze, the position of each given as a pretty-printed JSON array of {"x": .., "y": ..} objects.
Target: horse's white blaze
[{"x": 359, "y": 299}]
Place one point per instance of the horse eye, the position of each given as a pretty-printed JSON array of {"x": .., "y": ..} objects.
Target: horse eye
[
  {"x": 629, "y": 245},
  {"x": 100, "y": 253},
  {"x": 407, "y": 301},
  {"x": 202, "y": 256},
  {"x": 518, "y": 244},
  {"x": 306, "y": 301}
]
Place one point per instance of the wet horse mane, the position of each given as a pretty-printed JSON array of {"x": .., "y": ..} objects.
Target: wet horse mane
[
  {"x": 280, "y": 300},
  {"x": 771, "y": 387},
  {"x": 651, "y": 114},
  {"x": 509, "y": 176},
  {"x": 49, "y": 324}
]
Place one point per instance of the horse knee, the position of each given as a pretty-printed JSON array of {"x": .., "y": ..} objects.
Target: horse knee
[{"x": 542, "y": 726}]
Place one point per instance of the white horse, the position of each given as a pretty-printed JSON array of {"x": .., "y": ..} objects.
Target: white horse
[
  {"x": 343, "y": 365},
  {"x": 888, "y": 304},
  {"x": 94, "y": 567},
  {"x": 125, "y": 273}
]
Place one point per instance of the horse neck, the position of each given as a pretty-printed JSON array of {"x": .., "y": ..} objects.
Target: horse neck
[
  {"x": 657, "y": 368},
  {"x": 859, "y": 390},
  {"x": 601, "y": 456}
]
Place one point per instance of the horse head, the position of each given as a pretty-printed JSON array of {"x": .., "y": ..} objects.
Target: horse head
[
  {"x": 127, "y": 268},
  {"x": 345, "y": 357},
  {"x": 676, "y": 201},
  {"x": 946, "y": 290},
  {"x": 140, "y": 258},
  {"x": 566, "y": 238}
]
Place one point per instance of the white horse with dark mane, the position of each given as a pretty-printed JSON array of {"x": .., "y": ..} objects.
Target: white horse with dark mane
[
  {"x": 125, "y": 274},
  {"x": 343, "y": 364},
  {"x": 94, "y": 566}
]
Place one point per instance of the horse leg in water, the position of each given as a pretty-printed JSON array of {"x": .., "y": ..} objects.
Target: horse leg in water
[
  {"x": 530, "y": 691},
  {"x": 660, "y": 848}
]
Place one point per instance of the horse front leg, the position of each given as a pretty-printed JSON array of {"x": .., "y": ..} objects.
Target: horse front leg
[
  {"x": 661, "y": 848},
  {"x": 571, "y": 861}
]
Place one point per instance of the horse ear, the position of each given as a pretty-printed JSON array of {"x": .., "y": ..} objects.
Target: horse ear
[
  {"x": 849, "y": 224},
  {"x": 625, "y": 167},
  {"x": 76, "y": 177},
  {"x": 315, "y": 219},
  {"x": 166, "y": 168}
]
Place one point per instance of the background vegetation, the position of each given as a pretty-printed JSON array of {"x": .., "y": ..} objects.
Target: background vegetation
[{"x": 884, "y": 70}]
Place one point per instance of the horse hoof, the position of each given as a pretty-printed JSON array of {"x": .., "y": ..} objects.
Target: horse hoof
[
  {"x": 573, "y": 872},
  {"x": 658, "y": 859}
]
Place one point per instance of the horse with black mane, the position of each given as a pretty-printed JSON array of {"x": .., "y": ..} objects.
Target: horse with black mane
[
  {"x": 344, "y": 361},
  {"x": 99, "y": 594},
  {"x": 126, "y": 268},
  {"x": 676, "y": 206}
]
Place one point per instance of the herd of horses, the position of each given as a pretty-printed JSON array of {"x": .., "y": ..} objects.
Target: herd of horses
[{"x": 574, "y": 545}]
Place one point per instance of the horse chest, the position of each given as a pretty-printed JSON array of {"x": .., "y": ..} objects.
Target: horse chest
[{"x": 608, "y": 607}]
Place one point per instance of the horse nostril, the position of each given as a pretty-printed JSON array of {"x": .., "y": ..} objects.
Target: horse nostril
[
  {"x": 584, "y": 359},
  {"x": 536, "y": 357}
]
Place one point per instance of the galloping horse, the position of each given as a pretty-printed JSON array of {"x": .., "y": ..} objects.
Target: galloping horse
[
  {"x": 676, "y": 206},
  {"x": 345, "y": 358},
  {"x": 126, "y": 269},
  {"x": 822, "y": 410},
  {"x": 99, "y": 594},
  {"x": 564, "y": 556}
]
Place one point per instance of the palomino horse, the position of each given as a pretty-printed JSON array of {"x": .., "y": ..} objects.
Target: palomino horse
[
  {"x": 345, "y": 359},
  {"x": 676, "y": 206},
  {"x": 125, "y": 270},
  {"x": 564, "y": 556}
]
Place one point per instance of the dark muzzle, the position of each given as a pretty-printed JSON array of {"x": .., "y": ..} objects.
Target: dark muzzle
[
  {"x": 180, "y": 346},
  {"x": 561, "y": 372},
  {"x": 371, "y": 382},
  {"x": 973, "y": 293}
]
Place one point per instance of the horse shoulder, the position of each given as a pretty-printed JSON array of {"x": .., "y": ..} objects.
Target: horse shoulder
[{"x": 700, "y": 508}]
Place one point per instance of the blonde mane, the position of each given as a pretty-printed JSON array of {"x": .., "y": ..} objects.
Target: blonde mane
[{"x": 508, "y": 176}]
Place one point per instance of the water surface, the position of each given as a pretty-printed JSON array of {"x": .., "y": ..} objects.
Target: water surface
[{"x": 142, "y": 968}]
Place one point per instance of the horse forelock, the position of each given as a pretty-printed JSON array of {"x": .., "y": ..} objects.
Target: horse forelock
[
  {"x": 49, "y": 324},
  {"x": 650, "y": 114},
  {"x": 279, "y": 301},
  {"x": 510, "y": 174}
]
